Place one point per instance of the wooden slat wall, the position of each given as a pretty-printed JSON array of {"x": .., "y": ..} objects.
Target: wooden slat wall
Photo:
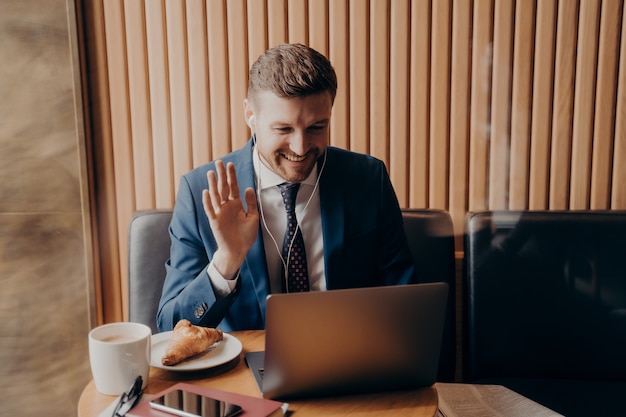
[{"x": 472, "y": 104}]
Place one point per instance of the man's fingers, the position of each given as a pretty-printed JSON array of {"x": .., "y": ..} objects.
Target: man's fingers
[
  {"x": 208, "y": 205},
  {"x": 222, "y": 181},
  {"x": 223, "y": 187},
  {"x": 215, "y": 199},
  {"x": 231, "y": 175},
  {"x": 251, "y": 202}
]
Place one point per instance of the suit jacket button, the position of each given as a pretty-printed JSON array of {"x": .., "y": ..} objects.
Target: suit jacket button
[{"x": 199, "y": 312}]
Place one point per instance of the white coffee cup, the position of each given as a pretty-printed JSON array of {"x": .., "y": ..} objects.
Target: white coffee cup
[{"x": 119, "y": 353}]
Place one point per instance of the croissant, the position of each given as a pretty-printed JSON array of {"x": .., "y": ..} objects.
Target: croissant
[{"x": 188, "y": 340}]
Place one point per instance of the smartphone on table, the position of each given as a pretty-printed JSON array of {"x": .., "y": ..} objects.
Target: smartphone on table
[{"x": 188, "y": 404}]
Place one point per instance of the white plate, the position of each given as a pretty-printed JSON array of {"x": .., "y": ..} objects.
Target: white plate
[{"x": 218, "y": 354}]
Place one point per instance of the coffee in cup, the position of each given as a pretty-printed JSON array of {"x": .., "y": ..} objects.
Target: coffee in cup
[{"x": 118, "y": 354}]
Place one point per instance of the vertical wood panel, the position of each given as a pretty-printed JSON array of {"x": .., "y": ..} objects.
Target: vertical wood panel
[
  {"x": 584, "y": 99},
  {"x": 379, "y": 80},
  {"x": 179, "y": 86},
  {"x": 564, "y": 78},
  {"x": 200, "y": 109},
  {"x": 99, "y": 147},
  {"x": 419, "y": 102},
  {"x": 521, "y": 98},
  {"x": 160, "y": 104},
  {"x": 459, "y": 115},
  {"x": 480, "y": 104},
  {"x": 542, "y": 98},
  {"x": 604, "y": 122},
  {"x": 359, "y": 76},
  {"x": 139, "y": 99},
  {"x": 398, "y": 106},
  {"x": 499, "y": 152},
  {"x": 122, "y": 153},
  {"x": 237, "y": 71},
  {"x": 439, "y": 105},
  {"x": 318, "y": 29},
  {"x": 339, "y": 30},
  {"x": 218, "y": 79},
  {"x": 618, "y": 182},
  {"x": 297, "y": 21},
  {"x": 257, "y": 29},
  {"x": 256, "y": 22},
  {"x": 277, "y": 22}
]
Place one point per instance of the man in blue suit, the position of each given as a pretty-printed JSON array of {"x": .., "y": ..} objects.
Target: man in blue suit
[{"x": 229, "y": 218}]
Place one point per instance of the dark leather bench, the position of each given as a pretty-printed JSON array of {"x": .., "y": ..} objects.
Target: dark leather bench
[
  {"x": 430, "y": 235},
  {"x": 545, "y": 307}
]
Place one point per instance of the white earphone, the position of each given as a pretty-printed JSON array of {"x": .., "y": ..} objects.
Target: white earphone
[{"x": 250, "y": 122}]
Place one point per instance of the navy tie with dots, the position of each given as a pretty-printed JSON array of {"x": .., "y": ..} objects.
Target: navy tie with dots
[{"x": 293, "y": 251}]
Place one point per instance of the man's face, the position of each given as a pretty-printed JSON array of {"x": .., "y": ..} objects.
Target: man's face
[{"x": 291, "y": 133}]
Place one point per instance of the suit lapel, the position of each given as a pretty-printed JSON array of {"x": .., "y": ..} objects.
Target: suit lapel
[{"x": 332, "y": 211}]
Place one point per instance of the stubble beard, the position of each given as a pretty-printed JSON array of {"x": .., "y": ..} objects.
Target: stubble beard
[{"x": 278, "y": 165}]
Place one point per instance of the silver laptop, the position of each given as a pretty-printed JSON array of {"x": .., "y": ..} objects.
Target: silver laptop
[{"x": 351, "y": 341}]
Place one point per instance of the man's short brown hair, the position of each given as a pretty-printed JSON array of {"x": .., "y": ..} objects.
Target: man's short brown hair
[{"x": 292, "y": 70}]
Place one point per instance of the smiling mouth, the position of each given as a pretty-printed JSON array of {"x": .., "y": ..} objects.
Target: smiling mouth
[{"x": 294, "y": 158}]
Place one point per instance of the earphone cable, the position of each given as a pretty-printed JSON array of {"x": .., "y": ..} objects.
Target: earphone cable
[{"x": 285, "y": 262}]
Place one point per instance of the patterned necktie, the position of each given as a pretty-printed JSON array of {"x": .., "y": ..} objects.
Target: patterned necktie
[{"x": 293, "y": 252}]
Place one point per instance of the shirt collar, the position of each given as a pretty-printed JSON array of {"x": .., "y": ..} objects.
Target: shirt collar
[{"x": 268, "y": 179}]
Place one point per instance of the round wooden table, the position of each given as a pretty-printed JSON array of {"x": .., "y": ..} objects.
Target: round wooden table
[{"x": 236, "y": 377}]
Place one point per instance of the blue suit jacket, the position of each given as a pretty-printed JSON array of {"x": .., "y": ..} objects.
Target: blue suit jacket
[{"x": 363, "y": 235}]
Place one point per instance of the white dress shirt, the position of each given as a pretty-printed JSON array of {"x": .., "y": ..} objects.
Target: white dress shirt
[{"x": 273, "y": 220}]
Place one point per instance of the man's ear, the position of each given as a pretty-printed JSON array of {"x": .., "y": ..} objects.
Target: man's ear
[{"x": 248, "y": 114}]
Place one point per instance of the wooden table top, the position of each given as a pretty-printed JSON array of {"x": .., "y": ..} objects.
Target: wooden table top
[{"x": 236, "y": 377}]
